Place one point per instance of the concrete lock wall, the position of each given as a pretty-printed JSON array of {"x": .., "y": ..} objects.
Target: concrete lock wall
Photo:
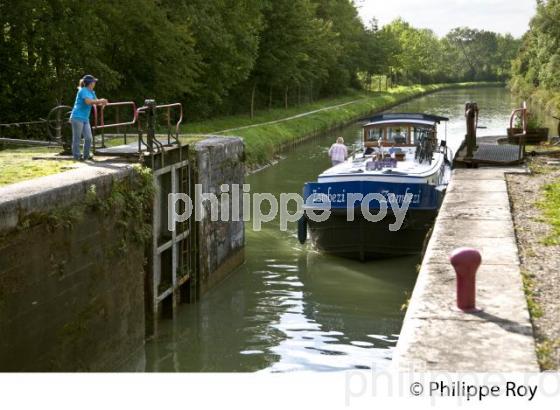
[
  {"x": 71, "y": 283},
  {"x": 220, "y": 244},
  {"x": 72, "y": 266}
]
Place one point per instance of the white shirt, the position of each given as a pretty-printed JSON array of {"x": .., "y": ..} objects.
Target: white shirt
[{"x": 338, "y": 152}]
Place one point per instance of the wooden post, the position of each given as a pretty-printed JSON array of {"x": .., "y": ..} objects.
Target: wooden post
[
  {"x": 471, "y": 114},
  {"x": 253, "y": 100}
]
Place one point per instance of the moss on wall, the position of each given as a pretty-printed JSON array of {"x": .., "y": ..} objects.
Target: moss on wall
[{"x": 72, "y": 280}]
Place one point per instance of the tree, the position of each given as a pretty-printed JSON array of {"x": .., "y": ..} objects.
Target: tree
[
  {"x": 350, "y": 37},
  {"x": 227, "y": 40},
  {"x": 294, "y": 46},
  {"x": 538, "y": 60},
  {"x": 418, "y": 51}
]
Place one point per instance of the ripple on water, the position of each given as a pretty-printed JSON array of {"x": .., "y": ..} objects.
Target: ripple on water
[{"x": 292, "y": 308}]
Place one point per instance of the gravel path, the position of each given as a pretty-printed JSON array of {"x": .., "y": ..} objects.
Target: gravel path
[{"x": 541, "y": 262}]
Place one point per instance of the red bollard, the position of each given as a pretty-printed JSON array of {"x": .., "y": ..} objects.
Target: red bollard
[{"x": 466, "y": 261}]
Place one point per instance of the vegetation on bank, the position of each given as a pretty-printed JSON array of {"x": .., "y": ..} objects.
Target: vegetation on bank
[
  {"x": 536, "y": 67},
  {"x": 223, "y": 57},
  {"x": 264, "y": 140},
  {"x": 535, "y": 200},
  {"x": 534, "y": 75},
  {"x": 551, "y": 209}
]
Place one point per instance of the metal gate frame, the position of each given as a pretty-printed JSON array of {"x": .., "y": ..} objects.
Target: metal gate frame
[{"x": 172, "y": 271}]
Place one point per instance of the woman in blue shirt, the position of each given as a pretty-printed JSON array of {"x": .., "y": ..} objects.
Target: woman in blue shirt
[{"x": 79, "y": 117}]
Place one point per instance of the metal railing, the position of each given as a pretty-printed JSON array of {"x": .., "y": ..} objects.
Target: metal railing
[
  {"x": 58, "y": 127},
  {"x": 99, "y": 118},
  {"x": 523, "y": 114},
  {"x": 150, "y": 111}
]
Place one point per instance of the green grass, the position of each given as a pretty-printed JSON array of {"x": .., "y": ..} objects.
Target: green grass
[
  {"x": 218, "y": 124},
  {"x": 551, "y": 210},
  {"x": 262, "y": 141},
  {"x": 545, "y": 354},
  {"x": 542, "y": 148},
  {"x": 534, "y": 307},
  {"x": 17, "y": 164}
]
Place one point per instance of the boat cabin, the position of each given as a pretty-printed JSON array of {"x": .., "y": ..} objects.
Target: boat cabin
[{"x": 403, "y": 130}]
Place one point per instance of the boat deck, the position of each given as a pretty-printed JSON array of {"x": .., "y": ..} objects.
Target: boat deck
[
  {"x": 363, "y": 166},
  {"x": 489, "y": 153}
]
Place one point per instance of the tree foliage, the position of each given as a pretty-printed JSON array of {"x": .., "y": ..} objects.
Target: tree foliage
[
  {"x": 538, "y": 62},
  {"x": 464, "y": 54},
  {"x": 229, "y": 56}
]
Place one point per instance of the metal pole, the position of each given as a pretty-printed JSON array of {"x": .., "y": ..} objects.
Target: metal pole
[
  {"x": 151, "y": 123},
  {"x": 523, "y": 136}
]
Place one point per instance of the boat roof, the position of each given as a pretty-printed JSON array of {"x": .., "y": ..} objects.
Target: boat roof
[
  {"x": 405, "y": 117},
  {"x": 402, "y": 121}
]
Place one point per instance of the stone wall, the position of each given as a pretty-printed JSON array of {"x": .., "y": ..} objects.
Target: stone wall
[
  {"x": 71, "y": 274},
  {"x": 72, "y": 263},
  {"x": 219, "y": 161}
]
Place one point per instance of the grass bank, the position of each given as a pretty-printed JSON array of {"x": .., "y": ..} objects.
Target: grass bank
[
  {"x": 264, "y": 135},
  {"x": 270, "y": 131}
]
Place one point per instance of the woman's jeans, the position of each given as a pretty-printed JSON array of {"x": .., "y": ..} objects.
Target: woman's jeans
[{"x": 80, "y": 127}]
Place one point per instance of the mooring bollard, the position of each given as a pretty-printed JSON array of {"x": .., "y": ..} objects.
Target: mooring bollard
[{"x": 466, "y": 261}]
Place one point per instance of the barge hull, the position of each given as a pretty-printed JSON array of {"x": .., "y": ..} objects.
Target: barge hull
[{"x": 365, "y": 240}]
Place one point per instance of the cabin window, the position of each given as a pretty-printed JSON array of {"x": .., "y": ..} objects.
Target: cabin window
[
  {"x": 374, "y": 134},
  {"x": 397, "y": 135}
]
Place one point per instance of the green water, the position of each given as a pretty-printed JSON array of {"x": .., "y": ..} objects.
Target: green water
[{"x": 291, "y": 308}]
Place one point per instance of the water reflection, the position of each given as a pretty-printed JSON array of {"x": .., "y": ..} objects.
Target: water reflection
[{"x": 291, "y": 308}]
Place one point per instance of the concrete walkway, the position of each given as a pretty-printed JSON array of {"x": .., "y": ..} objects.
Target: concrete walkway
[{"x": 499, "y": 338}]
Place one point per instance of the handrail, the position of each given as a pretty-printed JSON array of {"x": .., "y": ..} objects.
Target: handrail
[
  {"x": 515, "y": 113},
  {"x": 102, "y": 124},
  {"x": 143, "y": 109},
  {"x": 523, "y": 114},
  {"x": 169, "y": 107}
]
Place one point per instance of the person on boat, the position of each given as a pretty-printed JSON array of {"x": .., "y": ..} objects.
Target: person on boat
[
  {"x": 338, "y": 152},
  {"x": 400, "y": 138},
  {"x": 85, "y": 99}
]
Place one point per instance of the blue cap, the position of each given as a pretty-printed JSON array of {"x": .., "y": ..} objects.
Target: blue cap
[{"x": 88, "y": 79}]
